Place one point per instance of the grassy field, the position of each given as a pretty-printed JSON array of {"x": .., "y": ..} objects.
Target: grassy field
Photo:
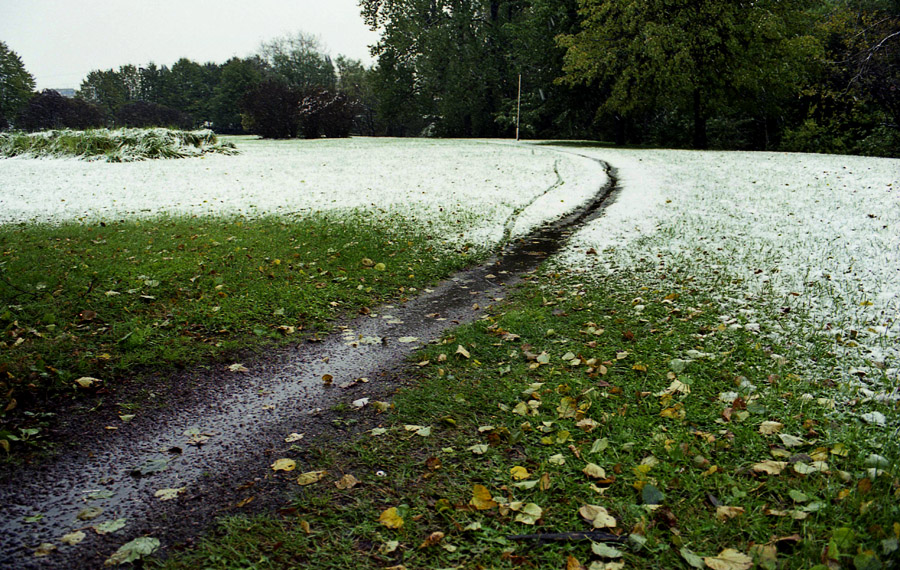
[
  {"x": 703, "y": 444},
  {"x": 84, "y": 307}
]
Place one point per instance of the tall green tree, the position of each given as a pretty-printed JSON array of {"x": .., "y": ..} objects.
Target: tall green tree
[
  {"x": 16, "y": 86},
  {"x": 300, "y": 60},
  {"x": 693, "y": 56},
  {"x": 237, "y": 78}
]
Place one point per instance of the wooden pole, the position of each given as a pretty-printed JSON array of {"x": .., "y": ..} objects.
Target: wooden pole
[{"x": 518, "y": 106}]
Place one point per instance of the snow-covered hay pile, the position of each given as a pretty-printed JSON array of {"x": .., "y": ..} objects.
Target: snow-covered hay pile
[
  {"x": 462, "y": 191},
  {"x": 802, "y": 247},
  {"x": 120, "y": 145}
]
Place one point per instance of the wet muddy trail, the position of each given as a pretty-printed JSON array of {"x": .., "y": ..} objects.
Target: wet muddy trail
[{"x": 218, "y": 437}]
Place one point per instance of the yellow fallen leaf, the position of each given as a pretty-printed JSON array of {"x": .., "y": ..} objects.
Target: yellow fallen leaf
[
  {"x": 391, "y": 518},
  {"x": 462, "y": 351},
  {"x": 530, "y": 514},
  {"x": 284, "y": 465},
  {"x": 518, "y": 473},
  {"x": 310, "y": 477},
  {"x": 675, "y": 412},
  {"x": 567, "y": 407},
  {"x": 304, "y": 526},
  {"x": 724, "y": 513},
  {"x": 595, "y": 471},
  {"x": 86, "y": 381},
  {"x": 237, "y": 368},
  {"x": 598, "y": 516},
  {"x": 73, "y": 538},
  {"x": 169, "y": 494},
  {"x": 770, "y": 428},
  {"x": 729, "y": 559},
  {"x": 348, "y": 481},
  {"x": 572, "y": 563},
  {"x": 433, "y": 539},
  {"x": 770, "y": 467},
  {"x": 45, "y": 549},
  {"x": 481, "y": 498}
]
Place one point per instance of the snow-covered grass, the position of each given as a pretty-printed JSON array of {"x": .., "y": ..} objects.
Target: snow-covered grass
[
  {"x": 468, "y": 191},
  {"x": 119, "y": 145},
  {"x": 803, "y": 248}
]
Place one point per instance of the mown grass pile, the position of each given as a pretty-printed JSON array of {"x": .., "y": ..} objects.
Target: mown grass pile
[
  {"x": 80, "y": 300},
  {"x": 626, "y": 406},
  {"x": 119, "y": 145}
]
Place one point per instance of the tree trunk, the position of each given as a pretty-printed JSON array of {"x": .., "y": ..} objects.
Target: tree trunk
[{"x": 700, "y": 140}]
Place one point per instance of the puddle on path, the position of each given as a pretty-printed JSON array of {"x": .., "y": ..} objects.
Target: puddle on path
[{"x": 244, "y": 426}]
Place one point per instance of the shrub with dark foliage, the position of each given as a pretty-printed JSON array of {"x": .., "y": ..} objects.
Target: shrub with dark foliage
[
  {"x": 324, "y": 112},
  {"x": 50, "y": 110},
  {"x": 270, "y": 110},
  {"x": 142, "y": 114}
]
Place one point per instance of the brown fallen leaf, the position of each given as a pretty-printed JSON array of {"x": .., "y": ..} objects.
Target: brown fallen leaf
[
  {"x": 348, "y": 481},
  {"x": 729, "y": 559},
  {"x": 310, "y": 477},
  {"x": 724, "y": 513},
  {"x": 433, "y": 539}
]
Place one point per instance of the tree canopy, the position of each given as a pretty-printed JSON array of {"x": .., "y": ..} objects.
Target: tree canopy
[{"x": 16, "y": 85}]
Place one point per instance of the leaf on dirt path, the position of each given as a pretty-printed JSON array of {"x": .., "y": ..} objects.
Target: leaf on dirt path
[
  {"x": 310, "y": 477},
  {"x": 87, "y": 381},
  {"x": 408, "y": 339},
  {"x": 481, "y": 498},
  {"x": 169, "y": 494},
  {"x": 518, "y": 473},
  {"x": 723, "y": 513},
  {"x": 770, "y": 428},
  {"x": 237, "y": 368},
  {"x": 790, "y": 440},
  {"x": 284, "y": 464},
  {"x": 729, "y": 559},
  {"x": 770, "y": 467},
  {"x": 391, "y": 518},
  {"x": 360, "y": 403},
  {"x": 89, "y": 513},
  {"x": 110, "y": 527},
  {"x": 605, "y": 550},
  {"x": 530, "y": 514},
  {"x": 598, "y": 516},
  {"x": 45, "y": 549},
  {"x": 134, "y": 550},
  {"x": 348, "y": 481},
  {"x": 594, "y": 471},
  {"x": 293, "y": 437},
  {"x": 433, "y": 539},
  {"x": 462, "y": 352},
  {"x": 327, "y": 379},
  {"x": 692, "y": 559},
  {"x": 73, "y": 538}
]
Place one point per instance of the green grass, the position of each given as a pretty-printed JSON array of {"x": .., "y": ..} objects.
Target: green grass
[
  {"x": 695, "y": 449},
  {"x": 110, "y": 299},
  {"x": 120, "y": 145}
]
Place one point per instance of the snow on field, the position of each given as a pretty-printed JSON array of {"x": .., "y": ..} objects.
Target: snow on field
[
  {"x": 804, "y": 246},
  {"x": 469, "y": 191}
]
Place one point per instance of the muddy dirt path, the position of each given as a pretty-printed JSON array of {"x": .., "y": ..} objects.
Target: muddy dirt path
[{"x": 218, "y": 441}]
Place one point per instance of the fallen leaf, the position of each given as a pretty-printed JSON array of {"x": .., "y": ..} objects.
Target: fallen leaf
[
  {"x": 572, "y": 563},
  {"x": 462, "y": 351},
  {"x": 598, "y": 516},
  {"x": 86, "y": 381},
  {"x": 692, "y": 559},
  {"x": 73, "y": 538},
  {"x": 348, "y": 481},
  {"x": 557, "y": 459},
  {"x": 605, "y": 551},
  {"x": 110, "y": 527},
  {"x": 594, "y": 471},
  {"x": 293, "y": 437},
  {"x": 284, "y": 465},
  {"x": 724, "y": 513},
  {"x": 790, "y": 440},
  {"x": 481, "y": 498},
  {"x": 237, "y": 368},
  {"x": 391, "y": 518},
  {"x": 478, "y": 449},
  {"x": 770, "y": 428},
  {"x": 327, "y": 378},
  {"x": 310, "y": 477},
  {"x": 530, "y": 514},
  {"x": 134, "y": 550},
  {"x": 89, "y": 513},
  {"x": 770, "y": 467},
  {"x": 433, "y": 539},
  {"x": 518, "y": 473},
  {"x": 651, "y": 495},
  {"x": 729, "y": 559},
  {"x": 169, "y": 494},
  {"x": 407, "y": 339},
  {"x": 45, "y": 549}
]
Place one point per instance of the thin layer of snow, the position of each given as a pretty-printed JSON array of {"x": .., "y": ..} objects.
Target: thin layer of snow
[
  {"x": 810, "y": 244},
  {"x": 468, "y": 191}
]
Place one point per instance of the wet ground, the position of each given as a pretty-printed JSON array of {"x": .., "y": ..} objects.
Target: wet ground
[{"x": 218, "y": 431}]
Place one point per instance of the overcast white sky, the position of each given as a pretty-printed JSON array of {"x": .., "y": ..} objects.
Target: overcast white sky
[{"x": 60, "y": 41}]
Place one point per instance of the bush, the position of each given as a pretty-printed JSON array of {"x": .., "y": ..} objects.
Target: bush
[
  {"x": 142, "y": 114},
  {"x": 50, "y": 110},
  {"x": 121, "y": 145},
  {"x": 327, "y": 113}
]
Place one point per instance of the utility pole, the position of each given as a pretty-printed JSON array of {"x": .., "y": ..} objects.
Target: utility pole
[{"x": 518, "y": 107}]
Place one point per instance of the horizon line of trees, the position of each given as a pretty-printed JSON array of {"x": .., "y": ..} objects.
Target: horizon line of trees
[{"x": 801, "y": 75}]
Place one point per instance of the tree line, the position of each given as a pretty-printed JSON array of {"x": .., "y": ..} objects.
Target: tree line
[{"x": 804, "y": 75}]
